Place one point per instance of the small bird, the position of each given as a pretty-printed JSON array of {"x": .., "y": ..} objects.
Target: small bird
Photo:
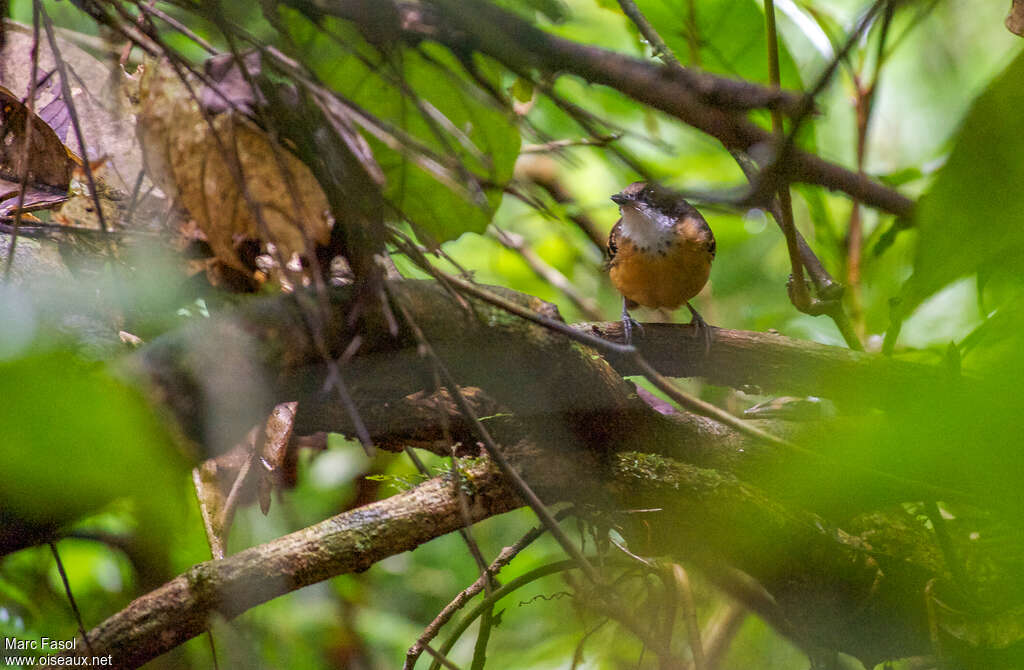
[{"x": 661, "y": 252}]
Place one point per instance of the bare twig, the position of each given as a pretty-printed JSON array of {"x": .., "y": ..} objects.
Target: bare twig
[
  {"x": 661, "y": 50},
  {"x": 798, "y": 288},
  {"x": 464, "y": 532},
  {"x": 445, "y": 615},
  {"x": 558, "y": 145},
  {"x": 177, "y": 25},
  {"x": 690, "y": 616},
  {"x": 30, "y": 105},
  {"x": 439, "y": 657},
  {"x": 496, "y": 454},
  {"x": 536, "y": 172},
  {"x": 550, "y": 274},
  {"x": 521, "y": 46},
  {"x": 76, "y": 124},
  {"x": 785, "y": 164},
  {"x": 720, "y": 632},
  {"x": 71, "y": 597}
]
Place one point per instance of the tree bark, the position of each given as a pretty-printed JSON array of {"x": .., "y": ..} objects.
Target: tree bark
[{"x": 576, "y": 431}]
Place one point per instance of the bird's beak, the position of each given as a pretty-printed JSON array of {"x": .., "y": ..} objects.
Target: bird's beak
[{"x": 620, "y": 199}]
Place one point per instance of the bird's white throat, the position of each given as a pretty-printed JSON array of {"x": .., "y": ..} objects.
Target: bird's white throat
[{"x": 646, "y": 227}]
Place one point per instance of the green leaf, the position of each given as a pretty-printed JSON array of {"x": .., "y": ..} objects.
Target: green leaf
[
  {"x": 455, "y": 121},
  {"x": 75, "y": 439},
  {"x": 730, "y": 37},
  {"x": 973, "y": 214},
  {"x": 554, "y": 10}
]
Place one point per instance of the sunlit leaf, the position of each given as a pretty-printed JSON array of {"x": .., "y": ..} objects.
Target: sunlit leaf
[
  {"x": 729, "y": 38},
  {"x": 973, "y": 214}
]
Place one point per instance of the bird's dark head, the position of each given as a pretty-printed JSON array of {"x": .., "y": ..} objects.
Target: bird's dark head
[{"x": 645, "y": 196}]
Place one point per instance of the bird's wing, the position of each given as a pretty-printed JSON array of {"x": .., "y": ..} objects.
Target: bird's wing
[{"x": 613, "y": 241}]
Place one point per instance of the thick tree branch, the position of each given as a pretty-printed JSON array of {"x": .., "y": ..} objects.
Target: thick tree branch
[
  {"x": 698, "y": 99},
  {"x": 567, "y": 420},
  {"x": 817, "y": 572},
  {"x": 547, "y": 383},
  {"x": 351, "y": 542},
  {"x": 772, "y": 364}
]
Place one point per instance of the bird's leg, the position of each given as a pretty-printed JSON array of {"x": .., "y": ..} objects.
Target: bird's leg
[
  {"x": 628, "y": 323},
  {"x": 701, "y": 328}
]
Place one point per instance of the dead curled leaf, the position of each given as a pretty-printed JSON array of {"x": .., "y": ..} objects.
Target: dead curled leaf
[
  {"x": 100, "y": 95},
  {"x": 199, "y": 162},
  {"x": 251, "y": 471},
  {"x": 47, "y": 160},
  {"x": 1015, "y": 19}
]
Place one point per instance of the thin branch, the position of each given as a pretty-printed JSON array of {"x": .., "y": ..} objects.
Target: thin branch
[
  {"x": 558, "y": 145},
  {"x": 177, "y": 25},
  {"x": 782, "y": 210},
  {"x": 798, "y": 288},
  {"x": 496, "y": 453},
  {"x": 76, "y": 124},
  {"x": 513, "y": 242},
  {"x": 464, "y": 532},
  {"x": 445, "y": 615},
  {"x": 71, "y": 597},
  {"x": 720, "y": 631},
  {"x": 30, "y": 116},
  {"x": 546, "y": 180},
  {"x": 520, "y": 46},
  {"x": 690, "y": 616},
  {"x": 785, "y": 165},
  {"x": 439, "y": 657},
  {"x": 661, "y": 50}
]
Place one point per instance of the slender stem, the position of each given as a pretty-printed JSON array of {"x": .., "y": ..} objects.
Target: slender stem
[
  {"x": 503, "y": 559},
  {"x": 798, "y": 287},
  {"x": 954, "y": 563},
  {"x": 439, "y": 658},
  {"x": 661, "y": 49},
  {"x": 480, "y": 648},
  {"x": 694, "y": 404},
  {"x": 692, "y": 33},
  {"x": 690, "y": 616},
  {"x": 76, "y": 124},
  {"x": 71, "y": 597},
  {"x": 499, "y": 593},
  {"x": 545, "y": 271},
  {"x": 467, "y": 536},
  {"x": 30, "y": 116},
  {"x": 496, "y": 454},
  {"x": 213, "y": 649}
]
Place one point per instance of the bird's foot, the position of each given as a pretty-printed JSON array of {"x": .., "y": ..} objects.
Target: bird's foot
[
  {"x": 701, "y": 329},
  {"x": 628, "y": 324}
]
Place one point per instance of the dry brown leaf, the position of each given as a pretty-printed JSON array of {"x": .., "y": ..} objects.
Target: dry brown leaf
[
  {"x": 101, "y": 98},
  {"x": 35, "y": 198},
  {"x": 1015, "y": 19},
  {"x": 195, "y": 160},
  {"x": 47, "y": 159},
  {"x": 275, "y": 450},
  {"x": 249, "y": 471}
]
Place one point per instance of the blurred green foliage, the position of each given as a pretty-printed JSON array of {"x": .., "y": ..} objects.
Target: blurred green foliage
[
  {"x": 413, "y": 90},
  {"x": 83, "y": 451}
]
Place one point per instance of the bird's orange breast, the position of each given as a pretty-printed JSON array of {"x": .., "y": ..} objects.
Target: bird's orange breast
[{"x": 665, "y": 277}]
